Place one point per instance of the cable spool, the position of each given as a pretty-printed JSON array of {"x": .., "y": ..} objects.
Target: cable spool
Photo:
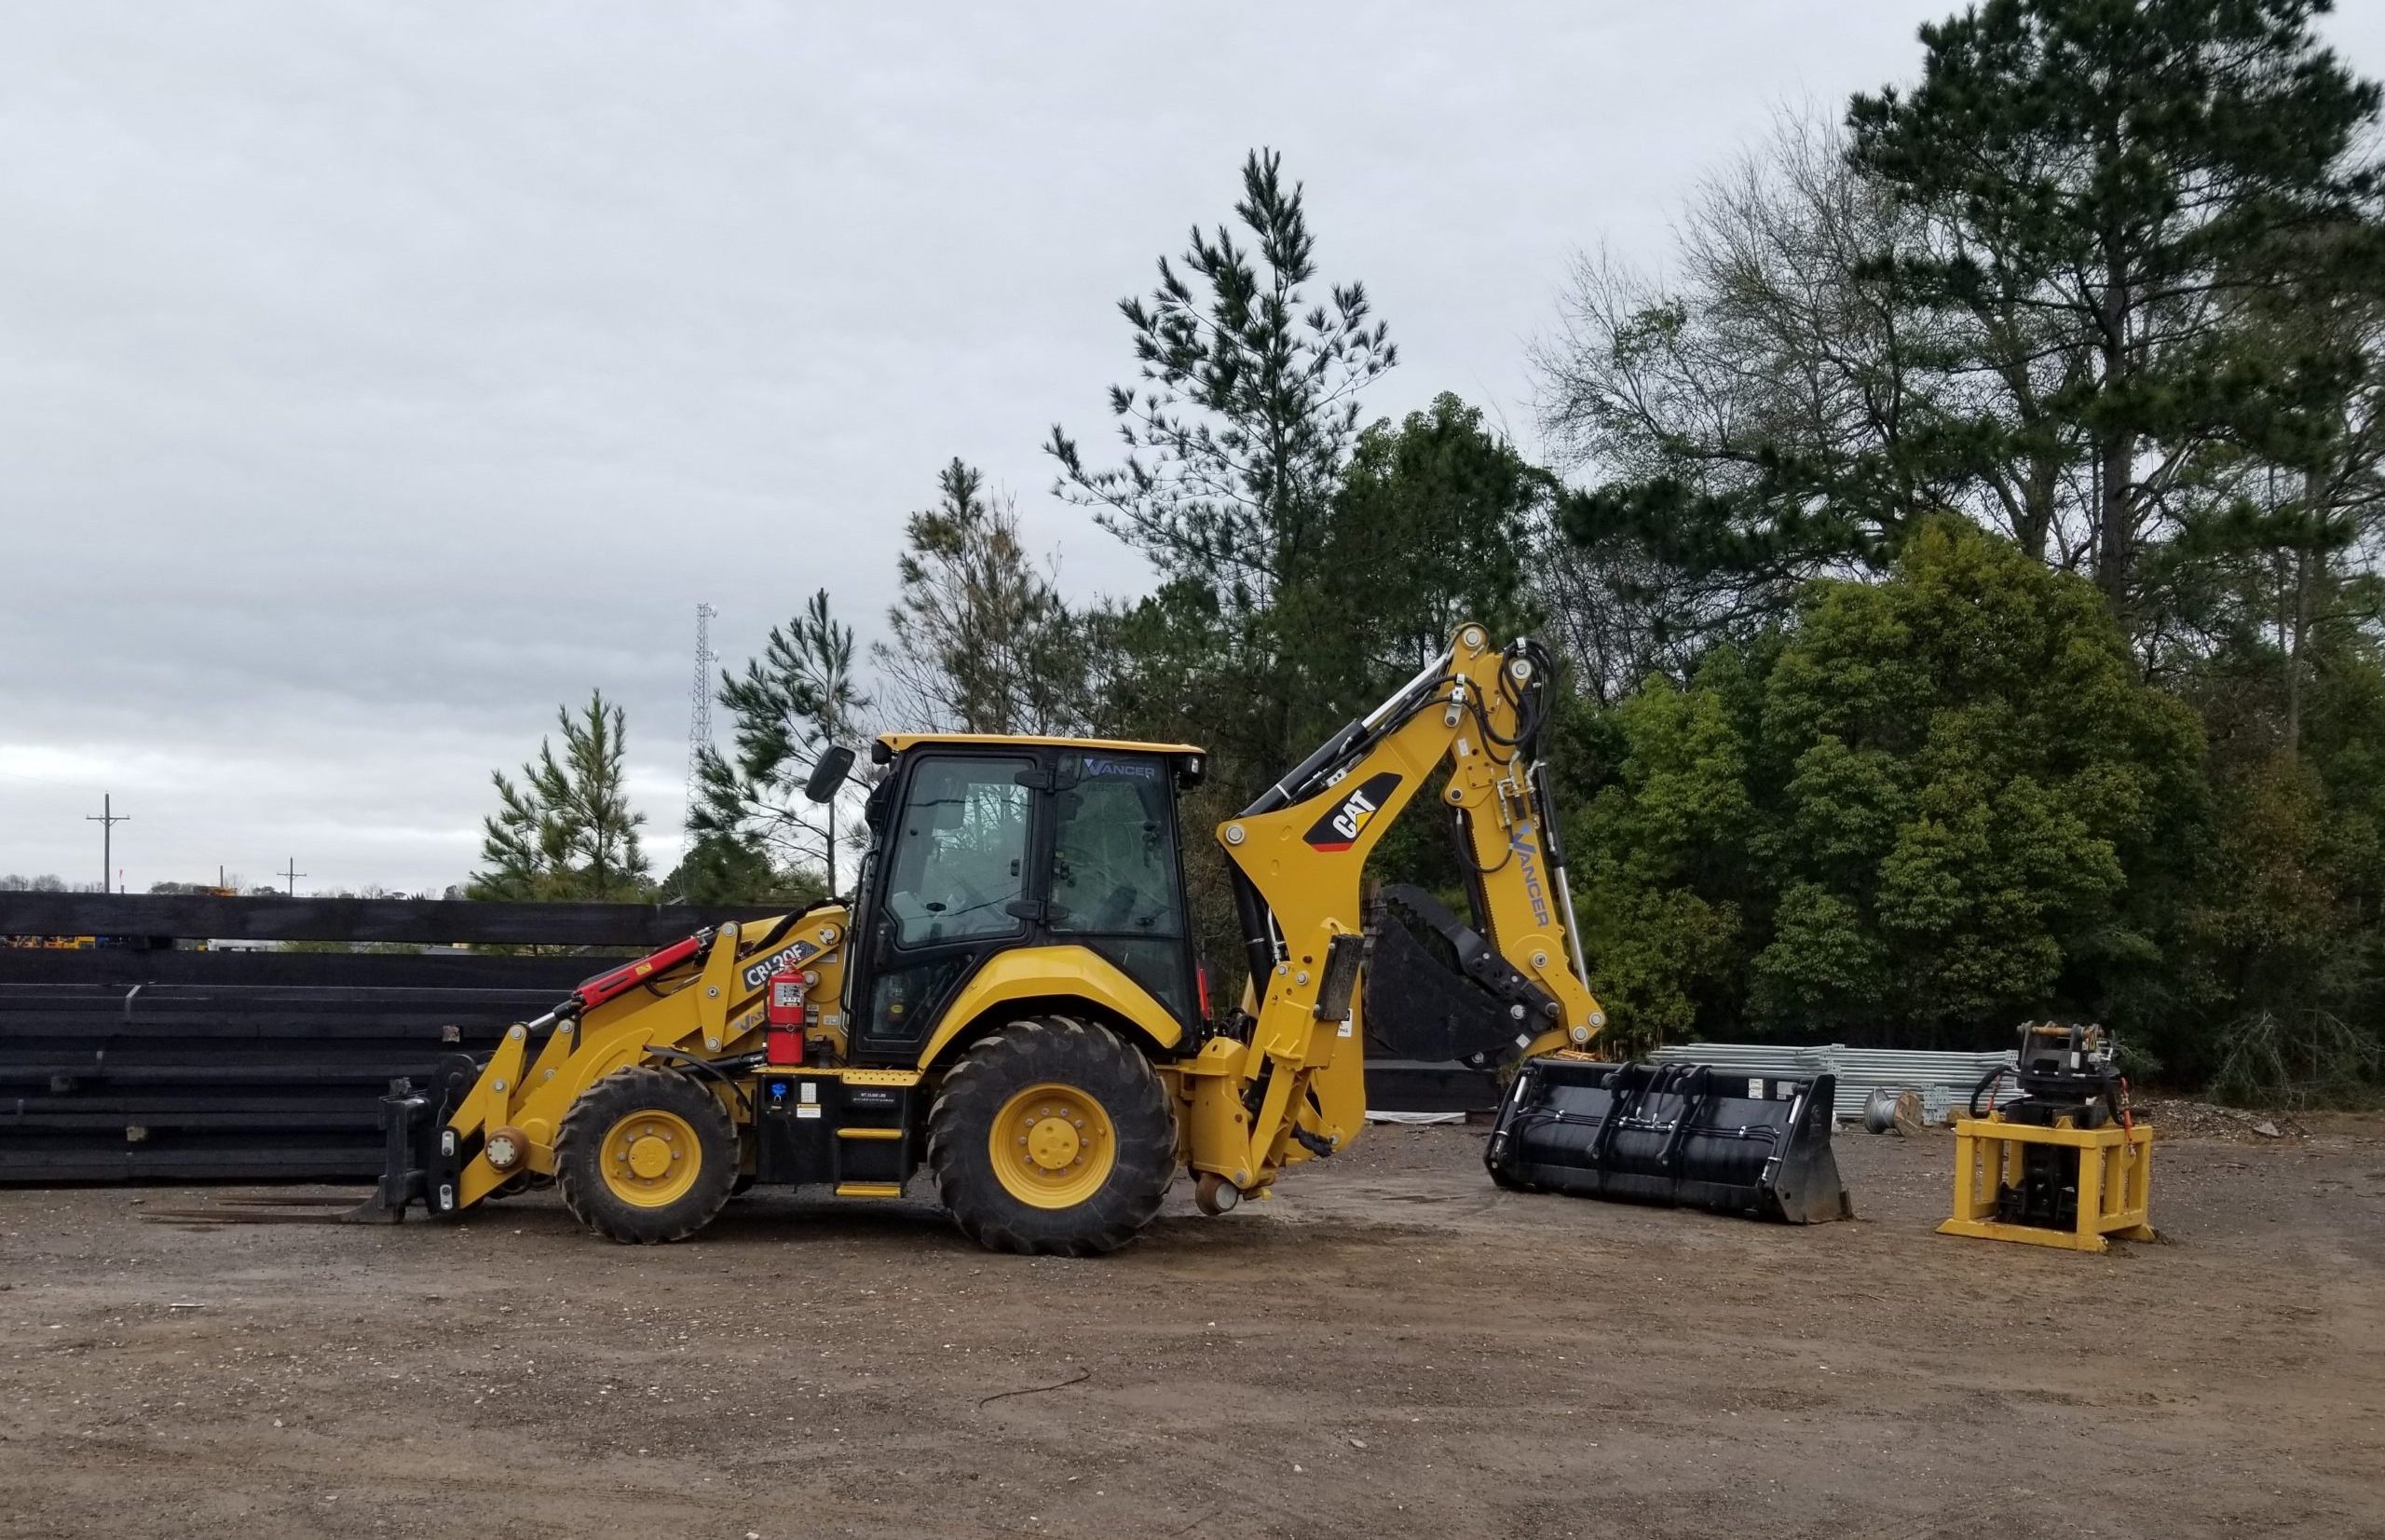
[{"x": 1892, "y": 1111}]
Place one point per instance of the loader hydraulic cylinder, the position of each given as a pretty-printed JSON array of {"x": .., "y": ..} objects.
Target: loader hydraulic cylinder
[{"x": 620, "y": 981}]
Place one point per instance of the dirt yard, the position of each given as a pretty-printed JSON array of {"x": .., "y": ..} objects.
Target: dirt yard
[{"x": 1391, "y": 1348}]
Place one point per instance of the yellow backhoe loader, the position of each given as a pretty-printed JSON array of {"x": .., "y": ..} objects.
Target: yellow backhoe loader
[{"x": 1011, "y": 998}]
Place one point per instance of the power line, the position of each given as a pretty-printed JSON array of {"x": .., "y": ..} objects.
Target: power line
[
  {"x": 107, "y": 818},
  {"x": 292, "y": 876}
]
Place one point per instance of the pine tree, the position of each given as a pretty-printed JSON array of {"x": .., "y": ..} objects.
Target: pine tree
[
  {"x": 2131, "y": 175},
  {"x": 797, "y": 700},
  {"x": 566, "y": 830},
  {"x": 1237, "y": 435}
]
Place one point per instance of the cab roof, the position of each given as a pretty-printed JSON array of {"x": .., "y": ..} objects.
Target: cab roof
[{"x": 903, "y": 742}]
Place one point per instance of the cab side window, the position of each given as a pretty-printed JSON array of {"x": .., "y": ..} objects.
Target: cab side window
[{"x": 1113, "y": 851}]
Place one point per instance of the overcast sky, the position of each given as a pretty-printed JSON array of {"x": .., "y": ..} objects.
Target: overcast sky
[{"x": 374, "y": 377}]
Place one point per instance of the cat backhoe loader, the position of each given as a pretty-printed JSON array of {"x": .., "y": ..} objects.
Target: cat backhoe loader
[{"x": 1011, "y": 998}]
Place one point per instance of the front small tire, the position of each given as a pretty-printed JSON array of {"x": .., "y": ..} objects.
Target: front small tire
[
  {"x": 645, "y": 1156},
  {"x": 1052, "y": 1138}
]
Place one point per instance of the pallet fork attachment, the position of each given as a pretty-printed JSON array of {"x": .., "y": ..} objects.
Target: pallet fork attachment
[{"x": 418, "y": 1153}]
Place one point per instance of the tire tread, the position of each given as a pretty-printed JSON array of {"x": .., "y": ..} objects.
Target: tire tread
[
  {"x": 579, "y": 1155},
  {"x": 1062, "y": 1049}
]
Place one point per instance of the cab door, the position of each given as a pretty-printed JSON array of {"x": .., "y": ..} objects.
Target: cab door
[
  {"x": 1115, "y": 882},
  {"x": 949, "y": 885}
]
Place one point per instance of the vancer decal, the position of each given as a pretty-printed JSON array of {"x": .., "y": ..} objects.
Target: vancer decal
[
  {"x": 1534, "y": 892},
  {"x": 1339, "y": 830}
]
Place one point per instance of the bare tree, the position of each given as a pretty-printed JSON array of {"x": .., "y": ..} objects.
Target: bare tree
[
  {"x": 1774, "y": 406},
  {"x": 981, "y": 639}
]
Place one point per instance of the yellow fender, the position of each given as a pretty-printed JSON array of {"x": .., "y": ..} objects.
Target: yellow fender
[{"x": 1041, "y": 973}]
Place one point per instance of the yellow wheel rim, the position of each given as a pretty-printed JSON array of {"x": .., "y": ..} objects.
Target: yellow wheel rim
[
  {"x": 1052, "y": 1146},
  {"x": 651, "y": 1158}
]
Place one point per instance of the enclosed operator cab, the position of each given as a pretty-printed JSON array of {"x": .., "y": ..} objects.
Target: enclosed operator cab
[{"x": 986, "y": 846}]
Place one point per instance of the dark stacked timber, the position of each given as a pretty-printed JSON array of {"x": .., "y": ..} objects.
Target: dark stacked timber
[
  {"x": 422, "y": 922},
  {"x": 135, "y": 1062}
]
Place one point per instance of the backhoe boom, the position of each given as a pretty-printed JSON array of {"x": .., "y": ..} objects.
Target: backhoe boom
[{"x": 1294, "y": 1087}]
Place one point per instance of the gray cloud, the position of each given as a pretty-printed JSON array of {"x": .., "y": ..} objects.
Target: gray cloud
[{"x": 374, "y": 377}]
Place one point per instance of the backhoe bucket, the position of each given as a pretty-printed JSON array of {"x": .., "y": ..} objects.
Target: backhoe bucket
[
  {"x": 1418, "y": 1009},
  {"x": 1674, "y": 1134}
]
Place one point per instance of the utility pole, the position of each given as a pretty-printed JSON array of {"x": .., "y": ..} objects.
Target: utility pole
[
  {"x": 108, "y": 819},
  {"x": 292, "y": 876}
]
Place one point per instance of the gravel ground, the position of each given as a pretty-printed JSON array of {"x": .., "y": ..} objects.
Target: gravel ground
[{"x": 1390, "y": 1347}]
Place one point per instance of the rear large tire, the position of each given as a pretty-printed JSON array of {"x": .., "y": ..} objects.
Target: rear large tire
[
  {"x": 646, "y": 1155},
  {"x": 1052, "y": 1138}
]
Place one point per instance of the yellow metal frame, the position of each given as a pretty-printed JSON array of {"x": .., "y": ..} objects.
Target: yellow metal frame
[
  {"x": 2115, "y": 1181},
  {"x": 713, "y": 1013}
]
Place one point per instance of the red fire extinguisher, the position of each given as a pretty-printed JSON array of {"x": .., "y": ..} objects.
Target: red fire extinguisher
[{"x": 782, "y": 1043}]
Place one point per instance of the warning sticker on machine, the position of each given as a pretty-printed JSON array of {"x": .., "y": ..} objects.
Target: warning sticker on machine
[{"x": 811, "y": 1111}]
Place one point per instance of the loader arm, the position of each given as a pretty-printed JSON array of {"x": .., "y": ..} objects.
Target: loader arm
[
  {"x": 696, "y": 1002},
  {"x": 1294, "y": 1086}
]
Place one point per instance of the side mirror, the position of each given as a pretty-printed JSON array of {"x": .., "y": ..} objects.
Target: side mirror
[{"x": 828, "y": 773}]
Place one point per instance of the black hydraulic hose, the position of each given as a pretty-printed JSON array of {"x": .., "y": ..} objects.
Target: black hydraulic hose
[
  {"x": 1257, "y": 941},
  {"x": 716, "y": 1069},
  {"x": 789, "y": 921},
  {"x": 1529, "y": 704},
  {"x": 786, "y": 922},
  {"x": 1985, "y": 1083},
  {"x": 1285, "y": 791}
]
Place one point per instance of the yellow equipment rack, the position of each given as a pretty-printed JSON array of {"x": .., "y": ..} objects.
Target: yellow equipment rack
[{"x": 2115, "y": 1181}]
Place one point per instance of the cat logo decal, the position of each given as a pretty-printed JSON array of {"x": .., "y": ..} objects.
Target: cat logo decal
[{"x": 1340, "y": 829}]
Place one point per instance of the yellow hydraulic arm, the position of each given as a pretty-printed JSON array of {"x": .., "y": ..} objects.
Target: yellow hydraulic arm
[
  {"x": 1299, "y": 853},
  {"x": 690, "y": 1005}
]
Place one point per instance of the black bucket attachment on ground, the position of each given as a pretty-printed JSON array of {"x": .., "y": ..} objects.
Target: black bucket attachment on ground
[{"x": 1676, "y": 1134}]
